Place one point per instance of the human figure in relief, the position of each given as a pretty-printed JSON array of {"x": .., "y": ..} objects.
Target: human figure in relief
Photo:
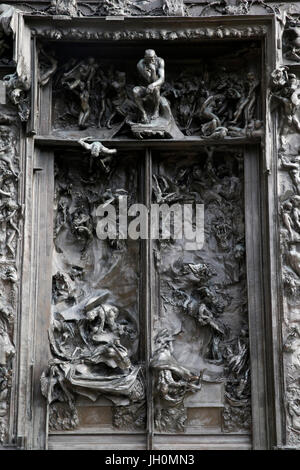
[
  {"x": 152, "y": 70},
  {"x": 97, "y": 149}
]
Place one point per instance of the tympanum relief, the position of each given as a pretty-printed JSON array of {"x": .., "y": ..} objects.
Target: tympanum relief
[{"x": 148, "y": 98}]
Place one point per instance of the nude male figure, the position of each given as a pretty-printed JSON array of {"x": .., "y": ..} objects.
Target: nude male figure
[
  {"x": 152, "y": 70},
  {"x": 97, "y": 149}
]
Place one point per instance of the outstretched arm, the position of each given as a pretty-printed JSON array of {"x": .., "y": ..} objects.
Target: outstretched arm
[{"x": 84, "y": 144}]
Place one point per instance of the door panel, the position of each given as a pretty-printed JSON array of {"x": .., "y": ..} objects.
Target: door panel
[
  {"x": 201, "y": 324},
  {"x": 95, "y": 330}
]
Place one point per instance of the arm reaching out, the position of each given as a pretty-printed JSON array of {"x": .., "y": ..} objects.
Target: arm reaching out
[{"x": 84, "y": 144}]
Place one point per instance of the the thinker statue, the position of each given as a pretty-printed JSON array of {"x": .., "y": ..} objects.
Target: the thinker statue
[
  {"x": 155, "y": 118},
  {"x": 152, "y": 70}
]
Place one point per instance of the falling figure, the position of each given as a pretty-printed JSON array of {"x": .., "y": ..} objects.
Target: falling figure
[{"x": 96, "y": 149}]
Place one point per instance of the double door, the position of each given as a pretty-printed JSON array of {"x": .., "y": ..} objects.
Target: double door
[{"x": 147, "y": 279}]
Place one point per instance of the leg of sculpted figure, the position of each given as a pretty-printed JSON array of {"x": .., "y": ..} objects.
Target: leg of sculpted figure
[{"x": 138, "y": 93}]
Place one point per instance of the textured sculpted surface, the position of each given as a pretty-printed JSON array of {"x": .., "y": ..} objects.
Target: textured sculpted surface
[
  {"x": 10, "y": 215},
  {"x": 95, "y": 326},
  {"x": 287, "y": 93},
  {"x": 209, "y": 100},
  {"x": 203, "y": 297},
  {"x": 208, "y": 121},
  {"x": 200, "y": 325},
  {"x": 200, "y": 329}
]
